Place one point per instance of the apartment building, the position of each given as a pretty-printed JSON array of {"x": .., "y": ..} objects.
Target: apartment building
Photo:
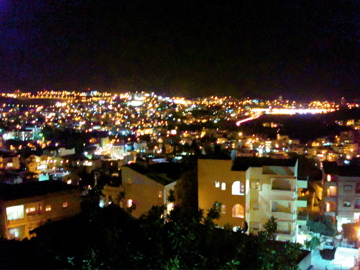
[
  {"x": 27, "y": 206},
  {"x": 253, "y": 190},
  {"x": 139, "y": 190},
  {"x": 341, "y": 193}
]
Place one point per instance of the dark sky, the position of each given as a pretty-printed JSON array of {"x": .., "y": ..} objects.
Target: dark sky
[{"x": 298, "y": 49}]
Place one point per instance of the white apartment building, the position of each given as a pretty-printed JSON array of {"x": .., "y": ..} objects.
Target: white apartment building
[{"x": 253, "y": 190}]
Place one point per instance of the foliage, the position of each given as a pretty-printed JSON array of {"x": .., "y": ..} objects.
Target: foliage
[
  {"x": 322, "y": 225},
  {"x": 112, "y": 238},
  {"x": 313, "y": 243},
  {"x": 271, "y": 228}
]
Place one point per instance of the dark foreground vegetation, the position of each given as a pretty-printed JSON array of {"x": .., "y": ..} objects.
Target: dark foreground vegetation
[{"x": 112, "y": 238}]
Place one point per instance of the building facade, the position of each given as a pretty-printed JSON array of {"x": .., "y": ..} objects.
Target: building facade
[
  {"x": 27, "y": 206},
  {"x": 341, "y": 192},
  {"x": 138, "y": 192},
  {"x": 253, "y": 190}
]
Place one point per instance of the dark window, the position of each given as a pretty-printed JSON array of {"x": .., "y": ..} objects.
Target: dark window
[
  {"x": 347, "y": 204},
  {"x": 357, "y": 204},
  {"x": 357, "y": 190}
]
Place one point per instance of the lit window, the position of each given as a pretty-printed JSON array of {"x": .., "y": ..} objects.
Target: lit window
[
  {"x": 237, "y": 188},
  {"x": 170, "y": 207},
  {"x": 15, "y": 212},
  {"x": 48, "y": 208},
  {"x": 238, "y": 211},
  {"x": 217, "y": 184},
  {"x": 223, "y": 186},
  {"x": 331, "y": 191},
  {"x": 160, "y": 194},
  {"x": 14, "y": 232},
  {"x": 65, "y": 204},
  {"x": 223, "y": 209},
  {"x": 327, "y": 207},
  {"x": 129, "y": 202},
  {"x": 30, "y": 210}
]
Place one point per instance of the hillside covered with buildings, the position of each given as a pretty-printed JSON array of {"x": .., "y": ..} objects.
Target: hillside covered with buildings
[{"x": 158, "y": 177}]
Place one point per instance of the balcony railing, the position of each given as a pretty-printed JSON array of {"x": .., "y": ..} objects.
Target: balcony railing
[{"x": 284, "y": 232}]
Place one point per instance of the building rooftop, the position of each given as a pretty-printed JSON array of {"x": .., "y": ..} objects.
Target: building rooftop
[
  {"x": 158, "y": 173},
  {"x": 345, "y": 170},
  {"x": 243, "y": 163},
  {"x": 25, "y": 190}
]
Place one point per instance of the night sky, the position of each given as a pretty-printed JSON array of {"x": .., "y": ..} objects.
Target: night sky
[{"x": 298, "y": 49}]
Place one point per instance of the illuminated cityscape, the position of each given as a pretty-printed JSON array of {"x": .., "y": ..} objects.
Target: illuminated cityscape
[{"x": 179, "y": 134}]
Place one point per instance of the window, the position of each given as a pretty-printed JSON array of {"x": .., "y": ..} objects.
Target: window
[
  {"x": 347, "y": 204},
  {"x": 48, "y": 208},
  {"x": 31, "y": 210},
  {"x": 129, "y": 203},
  {"x": 160, "y": 194},
  {"x": 65, "y": 204},
  {"x": 242, "y": 188},
  {"x": 331, "y": 191},
  {"x": 223, "y": 186},
  {"x": 237, "y": 188},
  {"x": 255, "y": 185},
  {"x": 327, "y": 207},
  {"x": 17, "y": 232},
  {"x": 238, "y": 211},
  {"x": 357, "y": 190},
  {"x": 357, "y": 204},
  {"x": 169, "y": 207},
  {"x": 347, "y": 188},
  {"x": 217, "y": 184},
  {"x": 223, "y": 209},
  {"x": 15, "y": 212}
]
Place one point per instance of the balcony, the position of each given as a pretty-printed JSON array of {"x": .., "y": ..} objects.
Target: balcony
[
  {"x": 282, "y": 206},
  {"x": 302, "y": 183},
  {"x": 283, "y": 210},
  {"x": 301, "y": 202},
  {"x": 283, "y": 184},
  {"x": 285, "y": 228},
  {"x": 287, "y": 232}
]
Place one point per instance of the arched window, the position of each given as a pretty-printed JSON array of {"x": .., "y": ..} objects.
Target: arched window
[
  {"x": 223, "y": 186},
  {"x": 237, "y": 188},
  {"x": 238, "y": 211}
]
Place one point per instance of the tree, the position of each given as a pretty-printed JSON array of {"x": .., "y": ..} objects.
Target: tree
[
  {"x": 110, "y": 238},
  {"x": 313, "y": 243},
  {"x": 321, "y": 225},
  {"x": 271, "y": 228}
]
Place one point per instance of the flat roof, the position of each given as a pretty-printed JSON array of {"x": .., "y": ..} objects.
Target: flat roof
[
  {"x": 243, "y": 163},
  {"x": 25, "y": 190}
]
